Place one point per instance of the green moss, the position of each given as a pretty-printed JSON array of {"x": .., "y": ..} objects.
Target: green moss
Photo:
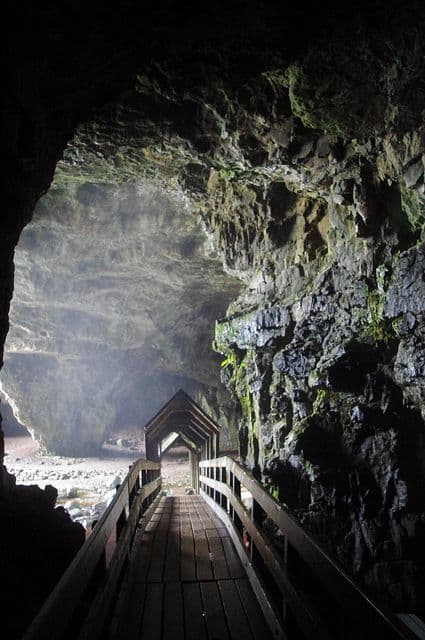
[
  {"x": 278, "y": 78},
  {"x": 230, "y": 171},
  {"x": 227, "y": 174},
  {"x": 396, "y": 325},
  {"x": 238, "y": 363},
  {"x": 273, "y": 491},
  {"x": 247, "y": 406},
  {"x": 358, "y": 87},
  {"x": 303, "y": 100},
  {"x": 298, "y": 429},
  {"x": 309, "y": 467},
  {"x": 377, "y": 328},
  {"x": 229, "y": 361},
  {"x": 225, "y": 336},
  {"x": 144, "y": 85},
  {"x": 413, "y": 208},
  {"x": 320, "y": 399}
]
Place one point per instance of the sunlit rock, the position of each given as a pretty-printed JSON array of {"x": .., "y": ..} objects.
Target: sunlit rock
[{"x": 116, "y": 295}]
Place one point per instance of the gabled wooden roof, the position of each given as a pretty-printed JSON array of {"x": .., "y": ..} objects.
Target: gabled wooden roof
[{"x": 182, "y": 415}]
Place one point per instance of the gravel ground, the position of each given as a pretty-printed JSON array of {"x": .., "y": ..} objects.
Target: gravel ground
[{"x": 87, "y": 485}]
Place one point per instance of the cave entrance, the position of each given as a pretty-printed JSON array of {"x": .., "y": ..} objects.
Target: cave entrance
[
  {"x": 176, "y": 459},
  {"x": 110, "y": 300}
]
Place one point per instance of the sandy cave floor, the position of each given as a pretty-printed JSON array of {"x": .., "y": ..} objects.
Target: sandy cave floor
[{"x": 87, "y": 485}]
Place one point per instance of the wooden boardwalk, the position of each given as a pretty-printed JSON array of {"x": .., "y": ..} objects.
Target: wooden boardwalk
[
  {"x": 164, "y": 568},
  {"x": 185, "y": 581}
]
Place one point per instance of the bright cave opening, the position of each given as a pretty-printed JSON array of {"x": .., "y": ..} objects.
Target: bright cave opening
[{"x": 175, "y": 469}]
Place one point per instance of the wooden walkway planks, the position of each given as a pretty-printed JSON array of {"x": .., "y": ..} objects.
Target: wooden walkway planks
[{"x": 186, "y": 581}]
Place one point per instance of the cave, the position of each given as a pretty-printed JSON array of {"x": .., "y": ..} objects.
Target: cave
[{"x": 226, "y": 199}]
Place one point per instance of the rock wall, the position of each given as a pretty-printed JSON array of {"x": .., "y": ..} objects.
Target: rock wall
[
  {"x": 324, "y": 349},
  {"x": 41, "y": 541}
]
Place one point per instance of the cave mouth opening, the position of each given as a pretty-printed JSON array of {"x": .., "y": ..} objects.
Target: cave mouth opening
[
  {"x": 116, "y": 296},
  {"x": 175, "y": 468}
]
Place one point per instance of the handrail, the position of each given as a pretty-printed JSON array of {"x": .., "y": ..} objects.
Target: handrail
[
  {"x": 78, "y": 605},
  {"x": 319, "y": 598}
]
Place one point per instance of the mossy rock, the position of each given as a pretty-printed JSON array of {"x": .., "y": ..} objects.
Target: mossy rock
[{"x": 357, "y": 88}]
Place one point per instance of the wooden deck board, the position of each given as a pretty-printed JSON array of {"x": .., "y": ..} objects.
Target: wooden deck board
[
  {"x": 203, "y": 562},
  {"x": 159, "y": 548},
  {"x": 214, "y": 612},
  {"x": 130, "y": 618},
  {"x": 193, "y": 612},
  {"x": 233, "y": 561},
  {"x": 253, "y": 612},
  {"x": 218, "y": 558},
  {"x": 152, "y": 613},
  {"x": 172, "y": 559},
  {"x": 235, "y": 613},
  {"x": 173, "y": 627},
  {"x": 185, "y": 581},
  {"x": 141, "y": 563},
  {"x": 188, "y": 563}
]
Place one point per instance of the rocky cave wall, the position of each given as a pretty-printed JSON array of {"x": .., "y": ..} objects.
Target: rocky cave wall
[
  {"x": 324, "y": 349},
  {"x": 301, "y": 145}
]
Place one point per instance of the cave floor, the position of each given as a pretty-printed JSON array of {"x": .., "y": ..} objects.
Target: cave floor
[{"x": 186, "y": 580}]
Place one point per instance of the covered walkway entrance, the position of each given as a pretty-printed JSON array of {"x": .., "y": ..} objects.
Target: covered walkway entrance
[{"x": 182, "y": 421}]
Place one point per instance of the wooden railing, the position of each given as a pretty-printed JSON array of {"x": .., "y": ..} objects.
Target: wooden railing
[
  {"x": 80, "y": 603},
  {"x": 312, "y": 596}
]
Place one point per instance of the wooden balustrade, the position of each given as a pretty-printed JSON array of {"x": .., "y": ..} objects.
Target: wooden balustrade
[
  {"x": 312, "y": 597},
  {"x": 80, "y": 602}
]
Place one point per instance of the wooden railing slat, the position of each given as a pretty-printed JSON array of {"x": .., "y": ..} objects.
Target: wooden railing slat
[
  {"x": 311, "y": 624},
  {"x": 60, "y": 607},
  {"x": 346, "y": 593}
]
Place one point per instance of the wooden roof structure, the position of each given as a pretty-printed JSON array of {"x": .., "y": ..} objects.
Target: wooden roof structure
[{"x": 182, "y": 420}]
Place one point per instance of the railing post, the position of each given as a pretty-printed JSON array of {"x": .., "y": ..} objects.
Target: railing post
[
  {"x": 210, "y": 475},
  {"x": 231, "y": 485},
  {"x": 224, "y": 481},
  {"x": 213, "y": 473},
  {"x": 132, "y": 490},
  {"x": 237, "y": 491},
  {"x": 236, "y": 487},
  {"x": 257, "y": 513},
  {"x": 217, "y": 493},
  {"x": 121, "y": 522}
]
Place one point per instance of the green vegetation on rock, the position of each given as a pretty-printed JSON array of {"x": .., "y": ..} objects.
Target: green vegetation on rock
[{"x": 378, "y": 328}]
